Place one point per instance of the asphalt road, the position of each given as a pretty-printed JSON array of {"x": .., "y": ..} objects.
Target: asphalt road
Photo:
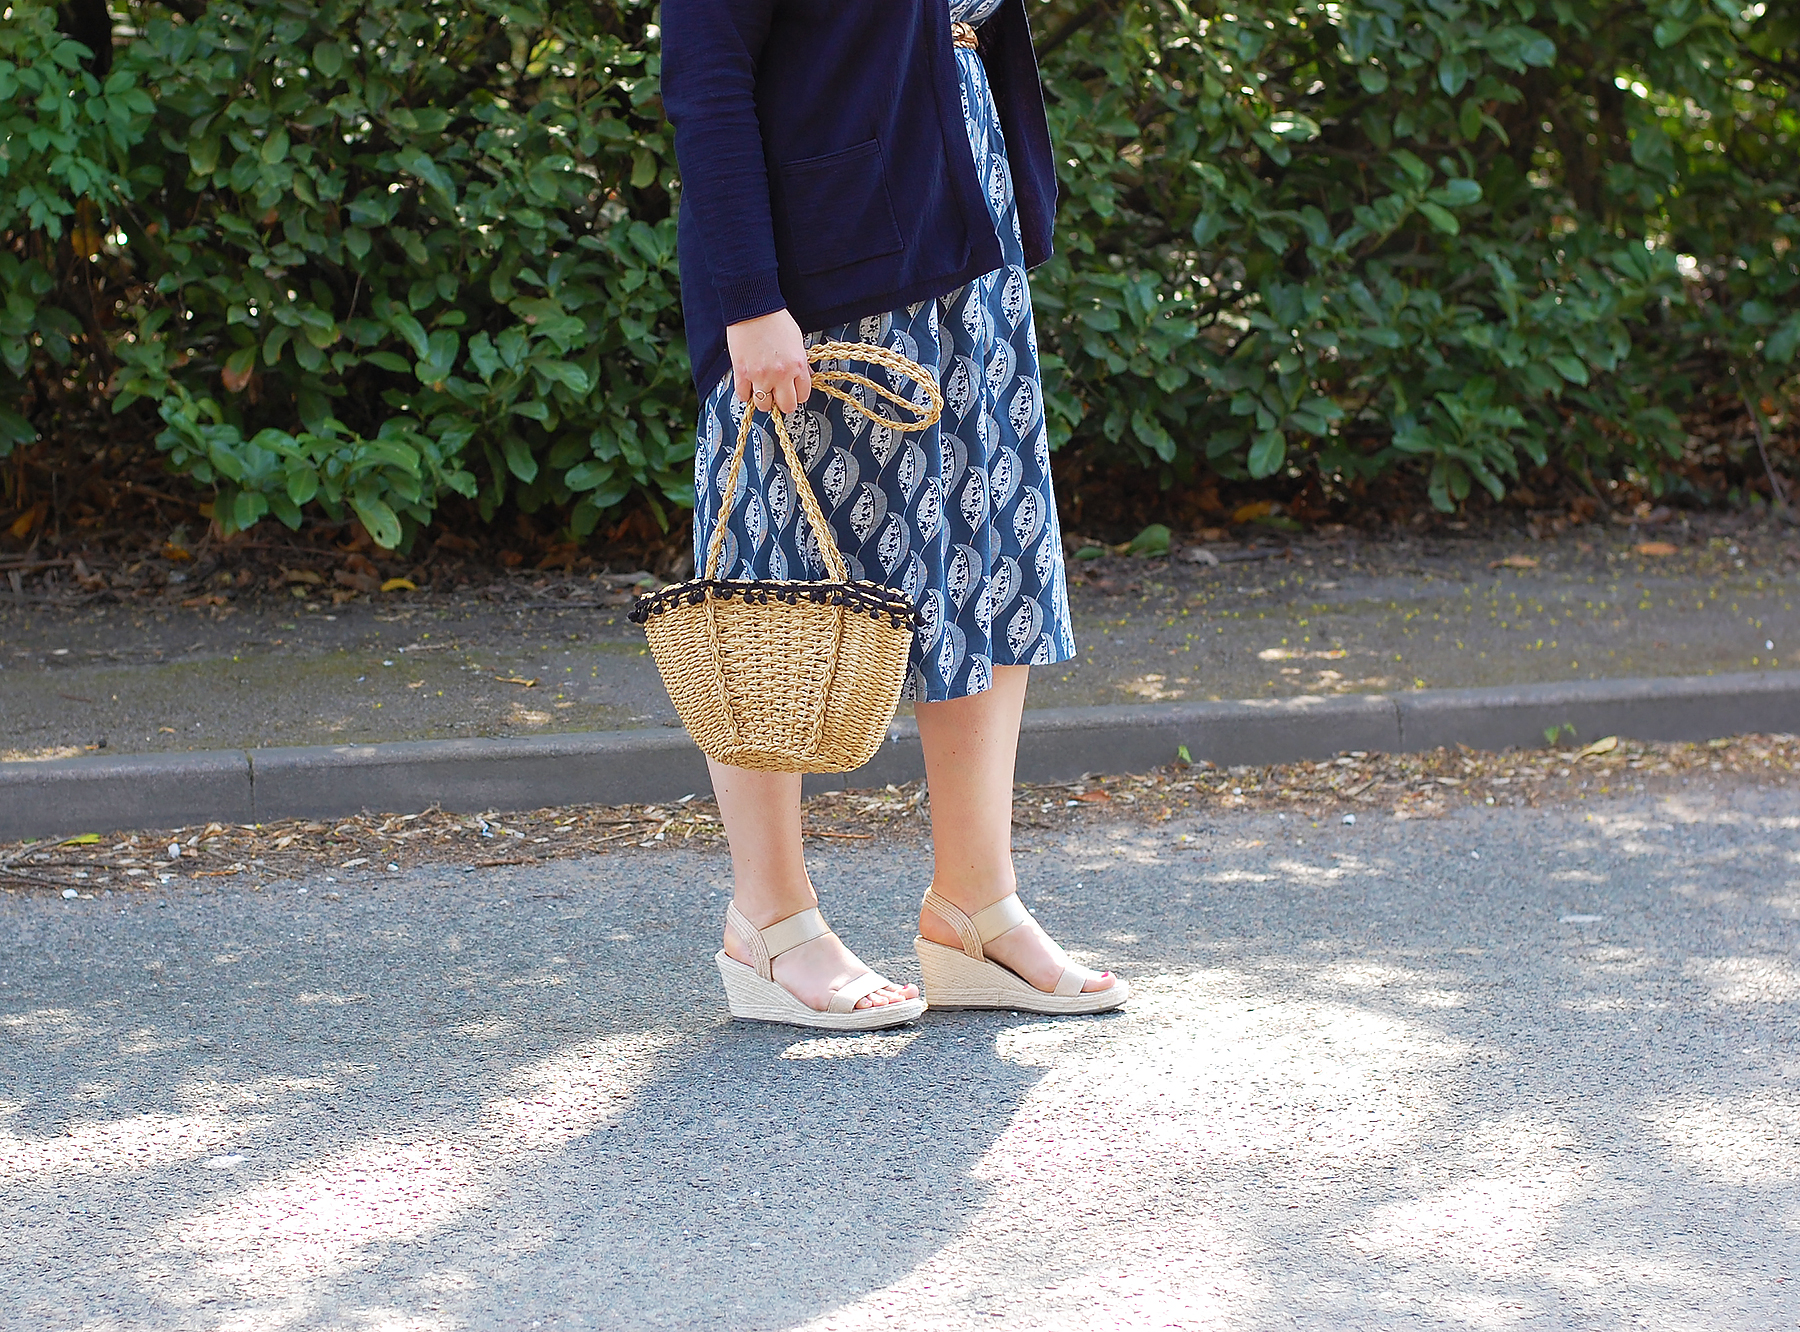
[{"x": 1509, "y": 1068}]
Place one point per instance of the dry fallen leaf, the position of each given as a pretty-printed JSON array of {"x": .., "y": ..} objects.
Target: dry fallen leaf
[
  {"x": 1655, "y": 548},
  {"x": 1605, "y": 745},
  {"x": 1245, "y": 513},
  {"x": 301, "y": 576},
  {"x": 1515, "y": 562},
  {"x": 23, "y": 524},
  {"x": 171, "y": 551},
  {"x": 518, "y": 680},
  {"x": 399, "y": 585}
]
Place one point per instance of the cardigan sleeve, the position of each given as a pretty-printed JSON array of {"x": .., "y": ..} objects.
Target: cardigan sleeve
[{"x": 710, "y": 50}]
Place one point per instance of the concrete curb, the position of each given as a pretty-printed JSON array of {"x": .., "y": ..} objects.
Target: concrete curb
[{"x": 614, "y": 767}]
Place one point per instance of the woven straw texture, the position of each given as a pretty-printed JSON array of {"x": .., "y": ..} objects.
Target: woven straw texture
[{"x": 786, "y": 676}]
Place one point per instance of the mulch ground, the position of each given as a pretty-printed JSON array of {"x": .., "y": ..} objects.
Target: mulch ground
[{"x": 1400, "y": 786}]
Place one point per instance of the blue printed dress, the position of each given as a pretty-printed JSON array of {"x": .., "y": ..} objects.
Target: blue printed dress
[{"x": 961, "y": 516}]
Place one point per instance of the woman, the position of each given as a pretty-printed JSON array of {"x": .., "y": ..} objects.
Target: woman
[{"x": 880, "y": 171}]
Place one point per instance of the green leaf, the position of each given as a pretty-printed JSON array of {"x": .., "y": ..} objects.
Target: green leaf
[
  {"x": 328, "y": 59},
  {"x": 203, "y": 155},
  {"x": 1411, "y": 165},
  {"x": 1268, "y": 454},
  {"x": 247, "y": 509},
  {"x": 1468, "y": 120},
  {"x": 1153, "y": 541},
  {"x": 410, "y": 329},
  {"x": 518, "y": 459},
  {"x": 1441, "y": 218},
  {"x": 1781, "y": 344},
  {"x": 1670, "y": 31},
  {"x": 302, "y": 484},
  {"x": 571, "y": 377},
  {"x": 588, "y": 475},
  {"x": 1153, "y": 436},
  {"x": 1453, "y": 73},
  {"x": 1535, "y": 48},
  {"x": 1569, "y": 367},
  {"x": 381, "y": 521},
  {"x": 1457, "y": 192}
]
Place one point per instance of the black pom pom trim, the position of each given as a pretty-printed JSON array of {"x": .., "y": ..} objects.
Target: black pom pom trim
[{"x": 871, "y": 599}]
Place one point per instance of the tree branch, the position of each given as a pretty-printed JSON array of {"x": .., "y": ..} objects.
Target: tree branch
[{"x": 1086, "y": 15}]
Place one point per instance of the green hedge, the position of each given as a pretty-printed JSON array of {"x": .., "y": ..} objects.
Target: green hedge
[
  {"x": 1446, "y": 235},
  {"x": 356, "y": 256},
  {"x": 366, "y": 253}
]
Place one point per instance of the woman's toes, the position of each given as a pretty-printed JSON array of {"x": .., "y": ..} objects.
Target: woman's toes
[{"x": 1104, "y": 981}]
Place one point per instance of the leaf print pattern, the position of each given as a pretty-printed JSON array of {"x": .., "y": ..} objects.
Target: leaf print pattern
[{"x": 961, "y": 517}]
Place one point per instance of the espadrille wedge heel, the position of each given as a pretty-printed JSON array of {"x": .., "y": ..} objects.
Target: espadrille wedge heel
[
  {"x": 755, "y": 995},
  {"x": 967, "y": 978}
]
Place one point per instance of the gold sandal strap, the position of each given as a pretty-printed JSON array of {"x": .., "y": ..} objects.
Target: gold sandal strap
[
  {"x": 963, "y": 35},
  {"x": 993, "y": 921},
  {"x": 953, "y": 916},
  {"x": 847, "y": 996},
  {"x": 801, "y": 927},
  {"x": 767, "y": 945}
]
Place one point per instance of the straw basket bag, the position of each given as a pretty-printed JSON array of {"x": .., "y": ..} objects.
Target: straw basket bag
[{"x": 782, "y": 675}]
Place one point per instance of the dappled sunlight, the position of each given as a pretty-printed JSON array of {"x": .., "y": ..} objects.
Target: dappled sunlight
[
  {"x": 1304, "y": 871},
  {"x": 46, "y": 1028},
  {"x": 1519, "y": 1172},
  {"x": 1212, "y": 1082},
  {"x": 261, "y": 1249},
  {"x": 144, "y": 1141},
  {"x": 1752, "y": 1139},
  {"x": 117, "y": 1146},
  {"x": 1748, "y": 980},
  {"x": 869, "y": 1046}
]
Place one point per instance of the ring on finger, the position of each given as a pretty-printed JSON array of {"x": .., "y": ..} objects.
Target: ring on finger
[{"x": 760, "y": 397}]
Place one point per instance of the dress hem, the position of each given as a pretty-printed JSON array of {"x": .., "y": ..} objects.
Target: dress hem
[{"x": 976, "y": 693}]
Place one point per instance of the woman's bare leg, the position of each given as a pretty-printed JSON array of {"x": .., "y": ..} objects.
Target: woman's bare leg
[
  {"x": 762, "y": 819},
  {"x": 970, "y": 746}
]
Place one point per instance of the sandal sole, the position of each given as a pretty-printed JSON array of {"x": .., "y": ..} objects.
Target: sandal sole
[
  {"x": 753, "y": 999},
  {"x": 953, "y": 979}
]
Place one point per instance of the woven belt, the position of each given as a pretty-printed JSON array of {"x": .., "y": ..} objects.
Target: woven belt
[{"x": 963, "y": 35}]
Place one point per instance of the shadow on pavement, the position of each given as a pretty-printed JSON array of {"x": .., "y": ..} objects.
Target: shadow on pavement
[{"x": 1509, "y": 1067}]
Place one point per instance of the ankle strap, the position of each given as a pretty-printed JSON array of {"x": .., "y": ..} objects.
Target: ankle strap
[
  {"x": 781, "y": 937},
  {"x": 984, "y": 926}
]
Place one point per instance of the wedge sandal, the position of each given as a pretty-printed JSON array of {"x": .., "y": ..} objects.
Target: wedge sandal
[
  {"x": 967, "y": 978},
  {"x": 756, "y": 996}
]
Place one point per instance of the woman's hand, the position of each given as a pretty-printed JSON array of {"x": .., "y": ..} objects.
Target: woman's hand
[{"x": 768, "y": 360}]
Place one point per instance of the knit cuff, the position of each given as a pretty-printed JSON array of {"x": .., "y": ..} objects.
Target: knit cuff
[{"x": 748, "y": 297}]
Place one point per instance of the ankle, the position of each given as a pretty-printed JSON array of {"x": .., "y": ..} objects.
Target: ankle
[
  {"x": 971, "y": 893},
  {"x": 764, "y": 907}
]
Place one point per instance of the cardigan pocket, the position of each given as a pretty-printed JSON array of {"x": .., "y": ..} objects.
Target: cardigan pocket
[{"x": 838, "y": 209}]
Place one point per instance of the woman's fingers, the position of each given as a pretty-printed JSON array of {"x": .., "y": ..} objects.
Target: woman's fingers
[{"x": 768, "y": 358}]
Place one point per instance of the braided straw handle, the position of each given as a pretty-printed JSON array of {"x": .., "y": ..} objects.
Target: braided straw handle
[{"x": 827, "y": 381}]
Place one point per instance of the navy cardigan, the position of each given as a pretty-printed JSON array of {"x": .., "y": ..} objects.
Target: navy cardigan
[{"x": 824, "y": 162}]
